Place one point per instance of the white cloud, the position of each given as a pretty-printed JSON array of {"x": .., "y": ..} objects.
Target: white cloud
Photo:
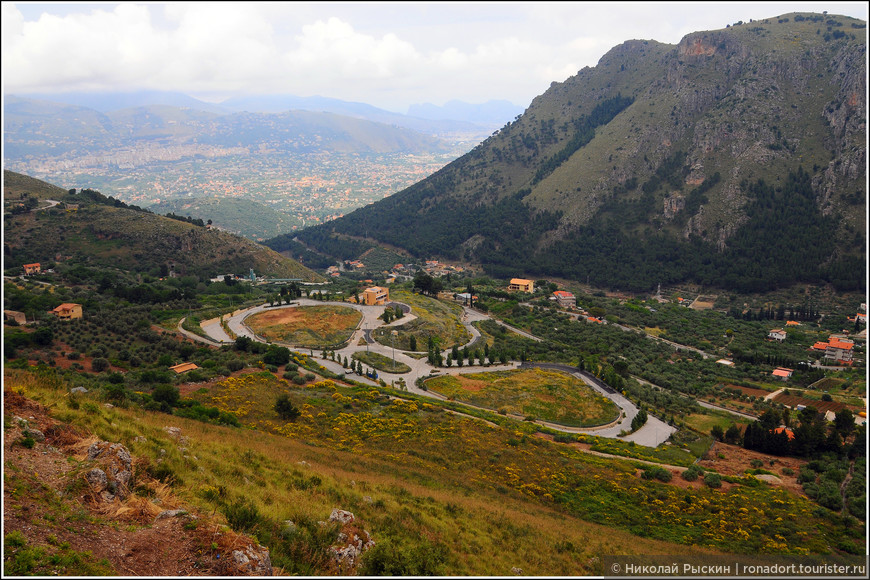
[{"x": 387, "y": 54}]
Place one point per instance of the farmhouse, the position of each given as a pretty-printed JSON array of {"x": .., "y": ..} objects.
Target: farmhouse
[
  {"x": 68, "y": 311},
  {"x": 32, "y": 269},
  {"x": 777, "y": 334},
  {"x": 782, "y": 373},
  {"x": 565, "y": 299},
  {"x": 376, "y": 296},
  {"x": 522, "y": 285}
]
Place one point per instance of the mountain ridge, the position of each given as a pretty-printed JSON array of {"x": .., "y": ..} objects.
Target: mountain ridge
[
  {"x": 89, "y": 227},
  {"x": 709, "y": 118}
]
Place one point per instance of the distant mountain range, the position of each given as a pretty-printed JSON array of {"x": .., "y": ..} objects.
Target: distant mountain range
[
  {"x": 734, "y": 159},
  {"x": 456, "y": 117},
  {"x": 48, "y": 129}
]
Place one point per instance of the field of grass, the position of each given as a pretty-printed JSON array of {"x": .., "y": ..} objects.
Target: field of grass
[
  {"x": 306, "y": 326},
  {"x": 381, "y": 362},
  {"x": 434, "y": 318},
  {"x": 704, "y": 422},
  {"x": 440, "y": 494},
  {"x": 545, "y": 395}
]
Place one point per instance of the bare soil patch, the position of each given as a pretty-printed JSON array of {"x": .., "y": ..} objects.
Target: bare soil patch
[
  {"x": 737, "y": 460},
  {"x": 320, "y": 324},
  {"x": 471, "y": 384},
  {"x": 749, "y": 391}
]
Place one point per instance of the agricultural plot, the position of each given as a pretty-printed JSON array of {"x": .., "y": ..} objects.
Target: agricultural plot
[
  {"x": 545, "y": 395},
  {"x": 306, "y": 326}
]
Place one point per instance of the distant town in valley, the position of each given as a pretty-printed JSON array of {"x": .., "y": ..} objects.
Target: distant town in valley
[{"x": 310, "y": 187}]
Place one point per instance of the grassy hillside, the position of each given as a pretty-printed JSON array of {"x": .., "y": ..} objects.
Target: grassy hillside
[
  {"x": 438, "y": 493},
  {"x": 662, "y": 164},
  {"x": 246, "y": 218},
  {"x": 100, "y": 232}
]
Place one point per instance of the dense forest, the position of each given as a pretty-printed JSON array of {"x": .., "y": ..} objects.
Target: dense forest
[{"x": 785, "y": 240}]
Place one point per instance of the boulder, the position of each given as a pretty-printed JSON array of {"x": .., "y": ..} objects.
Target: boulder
[
  {"x": 341, "y": 516},
  {"x": 97, "y": 479},
  {"x": 253, "y": 560}
]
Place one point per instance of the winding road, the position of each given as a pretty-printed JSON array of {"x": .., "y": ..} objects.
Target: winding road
[{"x": 654, "y": 433}]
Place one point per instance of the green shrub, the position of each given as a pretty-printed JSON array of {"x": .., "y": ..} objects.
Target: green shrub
[
  {"x": 166, "y": 394},
  {"x": 655, "y": 472},
  {"x": 242, "y": 515},
  {"x": 388, "y": 559},
  {"x": 713, "y": 480},
  {"x": 692, "y": 473},
  {"x": 286, "y": 409}
]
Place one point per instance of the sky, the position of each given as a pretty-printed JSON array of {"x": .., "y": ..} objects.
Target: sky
[{"x": 387, "y": 54}]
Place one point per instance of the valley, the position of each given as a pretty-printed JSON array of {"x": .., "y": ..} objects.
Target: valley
[{"x": 630, "y": 322}]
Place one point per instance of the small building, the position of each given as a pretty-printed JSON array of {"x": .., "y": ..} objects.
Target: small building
[
  {"x": 19, "y": 317},
  {"x": 782, "y": 373},
  {"x": 68, "y": 311},
  {"x": 726, "y": 362},
  {"x": 522, "y": 285},
  {"x": 30, "y": 269},
  {"x": 183, "y": 367},
  {"x": 565, "y": 299},
  {"x": 376, "y": 296},
  {"x": 777, "y": 334},
  {"x": 465, "y": 298}
]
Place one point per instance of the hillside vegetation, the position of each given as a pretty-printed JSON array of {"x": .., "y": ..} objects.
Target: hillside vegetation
[
  {"x": 735, "y": 159},
  {"x": 105, "y": 232},
  {"x": 437, "y": 494},
  {"x": 246, "y": 218}
]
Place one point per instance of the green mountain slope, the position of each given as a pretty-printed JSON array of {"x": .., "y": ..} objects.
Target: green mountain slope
[
  {"x": 101, "y": 231},
  {"x": 243, "y": 217},
  {"x": 734, "y": 159}
]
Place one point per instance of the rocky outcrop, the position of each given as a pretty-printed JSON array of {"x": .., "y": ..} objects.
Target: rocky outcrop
[
  {"x": 115, "y": 472},
  {"x": 252, "y": 560}
]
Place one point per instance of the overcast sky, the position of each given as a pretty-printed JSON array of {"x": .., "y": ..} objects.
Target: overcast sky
[{"x": 389, "y": 55}]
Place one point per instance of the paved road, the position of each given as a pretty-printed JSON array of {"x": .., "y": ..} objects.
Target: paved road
[{"x": 654, "y": 433}]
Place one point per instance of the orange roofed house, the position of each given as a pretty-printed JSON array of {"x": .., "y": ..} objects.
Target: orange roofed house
[
  {"x": 68, "y": 311},
  {"x": 837, "y": 349},
  {"x": 565, "y": 299},
  {"x": 522, "y": 285},
  {"x": 34, "y": 268}
]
